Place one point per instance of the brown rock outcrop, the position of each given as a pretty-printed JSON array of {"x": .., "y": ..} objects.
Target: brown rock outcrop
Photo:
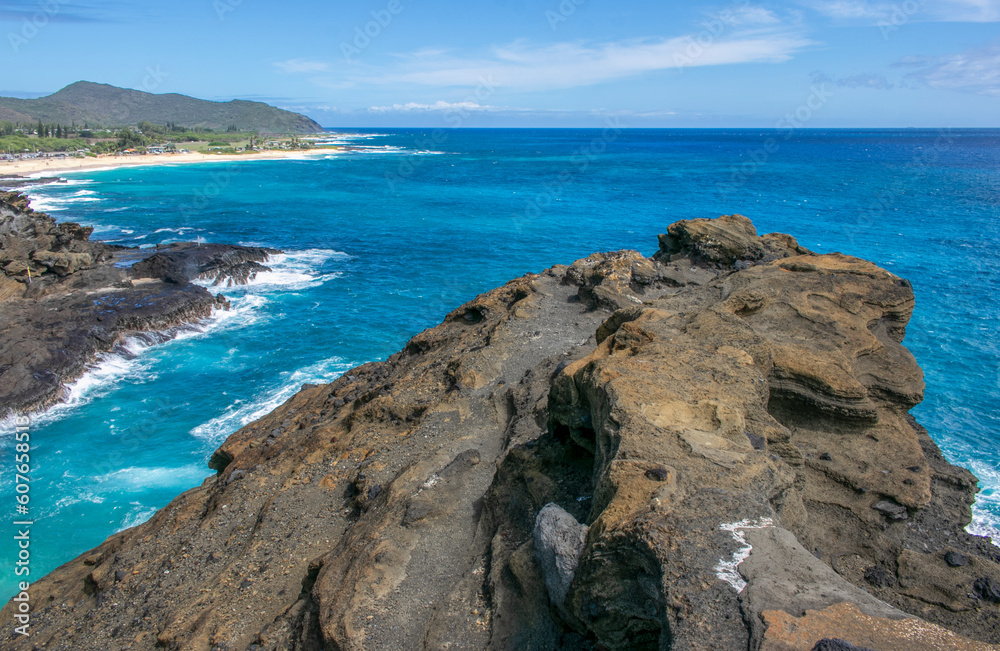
[
  {"x": 32, "y": 241},
  {"x": 726, "y": 422}
]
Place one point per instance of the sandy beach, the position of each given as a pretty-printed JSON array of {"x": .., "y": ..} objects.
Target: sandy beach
[{"x": 47, "y": 166}]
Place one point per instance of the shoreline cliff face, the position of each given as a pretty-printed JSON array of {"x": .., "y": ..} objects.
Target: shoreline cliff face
[
  {"x": 710, "y": 448},
  {"x": 66, "y": 299}
]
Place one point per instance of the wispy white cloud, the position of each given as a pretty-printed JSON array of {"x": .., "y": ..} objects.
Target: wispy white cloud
[
  {"x": 310, "y": 107},
  {"x": 973, "y": 11},
  {"x": 867, "y": 12},
  {"x": 439, "y": 106},
  {"x": 862, "y": 80},
  {"x": 741, "y": 34},
  {"x": 474, "y": 110},
  {"x": 523, "y": 66},
  {"x": 972, "y": 71},
  {"x": 747, "y": 15},
  {"x": 851, "y": 9},
  {"x": 300, "y": 66},
  {"x": 62, "y": 12}
]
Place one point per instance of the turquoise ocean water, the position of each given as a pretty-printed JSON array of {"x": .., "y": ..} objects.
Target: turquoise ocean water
[{"x": 383, "y": 240}]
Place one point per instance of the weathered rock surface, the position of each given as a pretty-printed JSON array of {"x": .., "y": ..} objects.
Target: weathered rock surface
[
  {"x": 81, "y": 298},
  {"x": 723, "y": 419}
]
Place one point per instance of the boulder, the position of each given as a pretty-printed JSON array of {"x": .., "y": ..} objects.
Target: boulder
[
  {"x": 559, "y": 540},
  {"x": 63, "y": 263}
]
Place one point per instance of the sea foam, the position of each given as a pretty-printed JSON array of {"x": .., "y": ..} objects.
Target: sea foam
[
  {"x": 129, "y": 361},
  {"x": 241, "y": 413}
]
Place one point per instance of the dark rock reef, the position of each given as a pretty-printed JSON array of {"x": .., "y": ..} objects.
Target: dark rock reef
[
  {"x": 707, "y": 449},
  {"x": 64, "y": 299}
]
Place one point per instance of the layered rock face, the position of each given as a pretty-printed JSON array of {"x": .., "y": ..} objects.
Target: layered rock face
[
  {"x": 64, "y": 299},
  {"x": 707, "y": 449}
]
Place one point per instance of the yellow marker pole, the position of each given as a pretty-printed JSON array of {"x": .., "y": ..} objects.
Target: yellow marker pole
[{"x": 29, "y": 273}]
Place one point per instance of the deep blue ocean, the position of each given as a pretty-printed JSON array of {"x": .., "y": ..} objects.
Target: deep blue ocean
[{"x": 384, "y": 239}]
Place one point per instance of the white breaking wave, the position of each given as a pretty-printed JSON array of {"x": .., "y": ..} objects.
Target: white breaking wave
[
  {"x": 136, "y": 479},
  {"x": 241, "y": 413},
  {"x": 76, "y": 498},
  {"x": 384, "y": 150},
  {"x": 103, "y": 228},
  {"x": 136, "y": 516},
  {"x": 295, "y": 270},
  {"x": 984, "y": 524},
  {"x": 43, "y": 203},
  {"x": 125, "y": 362},
  {"x": 346, "y": 138},
  {"x": 128, "y": 361},
  {"x": 60, "y": 182},
  {"x": 98, "y": 489},
  {"x": 985, "y": 521}
]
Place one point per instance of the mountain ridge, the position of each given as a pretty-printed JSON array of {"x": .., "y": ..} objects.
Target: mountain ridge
[{"x": 95, "y": 104}]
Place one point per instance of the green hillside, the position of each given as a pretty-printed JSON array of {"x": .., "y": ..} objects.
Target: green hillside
[{"x": 108, "y": 106}]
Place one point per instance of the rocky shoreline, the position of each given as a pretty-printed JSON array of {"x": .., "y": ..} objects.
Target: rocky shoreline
[
  {"x": 706, "y": 449},
  {"x": 66, "y": 299}
]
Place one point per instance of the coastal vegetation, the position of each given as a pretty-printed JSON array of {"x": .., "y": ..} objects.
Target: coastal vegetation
[{"x": 19, "y": 138}]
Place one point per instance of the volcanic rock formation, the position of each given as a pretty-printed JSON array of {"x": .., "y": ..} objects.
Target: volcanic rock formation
[
  {"x": 64, "y": 299},
  {"x": 706, "y": 449}
]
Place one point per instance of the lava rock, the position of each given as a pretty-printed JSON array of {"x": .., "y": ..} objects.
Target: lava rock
[
  {"x": 954, "y": 559},
  {"x": 836, "y": 644},
  {"x": 658, "y": 474},
  {"x": 879, "y": 577},
  {"x": 987, "y": 589},
  {"x": 890, "y": 509}
]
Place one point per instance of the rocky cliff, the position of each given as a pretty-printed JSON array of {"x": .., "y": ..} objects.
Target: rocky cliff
[
  {"x": 707, "y": 449},
  {"x": 64, "y": 298}
]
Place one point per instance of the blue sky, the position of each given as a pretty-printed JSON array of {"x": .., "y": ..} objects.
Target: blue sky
[{"x": 841, "y": 63}]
